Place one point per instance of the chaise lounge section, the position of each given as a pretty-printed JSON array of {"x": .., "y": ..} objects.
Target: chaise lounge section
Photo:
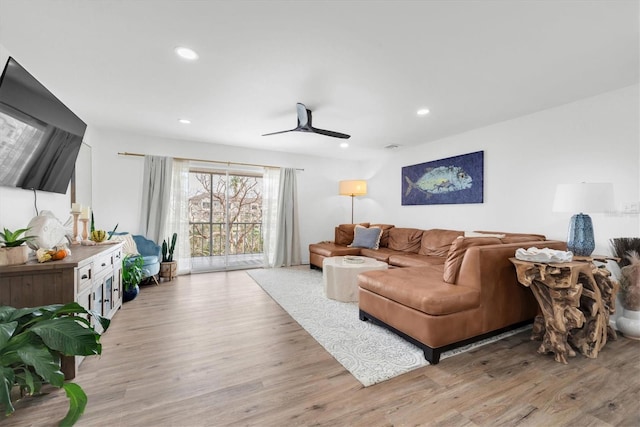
[{"x": 444, "y": 288}]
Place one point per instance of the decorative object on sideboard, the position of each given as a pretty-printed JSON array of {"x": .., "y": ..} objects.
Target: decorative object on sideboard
[
  {"x": 169, "y": 267},
  {"x": 36, "y": 337},
  {"x": 76, "y": 210},
  {"x": 458, "y": 179},
  {"x": 581, "y": 198},
  {"x": 13, "y": 249},
  {"x": 353, "y": 188},
  {"x": 48, "y": 231},
  {"x": 627, "y": 250},
  {"x": 84, "y": 218},
  {"x": 55, "y": 254}
]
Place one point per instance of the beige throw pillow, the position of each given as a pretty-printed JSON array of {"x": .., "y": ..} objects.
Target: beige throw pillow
[{"x": 129, "y": 247}]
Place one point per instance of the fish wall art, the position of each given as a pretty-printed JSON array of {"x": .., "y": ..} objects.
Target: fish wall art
[{"x": 453, "y": 180}]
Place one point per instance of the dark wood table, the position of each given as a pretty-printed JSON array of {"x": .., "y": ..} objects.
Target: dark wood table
[{"x": 576, "y": 299}]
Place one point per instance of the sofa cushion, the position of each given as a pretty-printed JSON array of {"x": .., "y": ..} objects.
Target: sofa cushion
[
  {"x": 380, "y": 254},
  {"x": 414, "y": 260},
  {"x": 366, "y": 237},
  {"x": 456, "y": 254},
  {"x": 437, "y": 242},
  {"x": 344, "y": 233},
  {"x": 405, "y": 239},
  {"x": 420, "y": 288},
  {"x": 329, "y": 249},
  {"x": 384, "y": 238}
]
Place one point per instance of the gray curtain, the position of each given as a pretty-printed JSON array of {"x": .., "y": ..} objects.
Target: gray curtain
[
  {"x": 156, "y": 192},
  {"x": 287, "y": 251}
]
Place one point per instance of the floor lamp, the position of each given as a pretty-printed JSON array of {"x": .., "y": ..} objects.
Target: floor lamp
[
  {"x": 583, "y": 197},
  {"x": 353, "y": 188}
]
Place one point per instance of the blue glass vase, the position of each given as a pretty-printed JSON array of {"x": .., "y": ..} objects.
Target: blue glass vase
[{"x": 580, "y": 240}]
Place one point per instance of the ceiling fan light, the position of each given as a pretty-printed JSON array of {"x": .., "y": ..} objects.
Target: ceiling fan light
[
  {"x": 184, "y": 121},
  {"x": 423, "y": 112},
  {"x": 186, "y": 53},
  {"x": 344, "y": 145}
]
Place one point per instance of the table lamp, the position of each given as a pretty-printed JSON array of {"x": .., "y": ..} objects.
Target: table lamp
[
  {"x": 583, "y": 198},
  {"x": 353, "y": 188}
]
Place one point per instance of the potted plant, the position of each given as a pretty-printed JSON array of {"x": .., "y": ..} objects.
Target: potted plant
[
  {"x": 627, "y": 249},
  {"x": 131, "y": 276},
  {"x": 12, "y": 246},
  {"x": 32, "y": 341},
  {"x": 169, "y": 267}
]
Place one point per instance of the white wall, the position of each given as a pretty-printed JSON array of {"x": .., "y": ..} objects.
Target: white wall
[
  {"x": 117, "y": 180},
  {"x": 591, "y": 140}
]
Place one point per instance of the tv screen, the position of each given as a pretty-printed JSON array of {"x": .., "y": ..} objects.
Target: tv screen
[{"x": 39, "y": 136}]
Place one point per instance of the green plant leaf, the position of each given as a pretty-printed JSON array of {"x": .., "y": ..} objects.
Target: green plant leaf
[
  {"x": 69, "y": 337},
  {"x": 6, "y": 331},
  {"x": 46, "y": 364},
  {"x": 77, "y": 403},
  {"x": 6, "y": 312},
  {"x": 6, "y": 382}
]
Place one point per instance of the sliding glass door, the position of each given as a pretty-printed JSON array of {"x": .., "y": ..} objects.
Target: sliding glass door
[{"x": 225, "y": 216}]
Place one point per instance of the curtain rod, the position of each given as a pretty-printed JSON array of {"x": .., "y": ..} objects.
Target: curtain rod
[{"x": 208, "y": 161}]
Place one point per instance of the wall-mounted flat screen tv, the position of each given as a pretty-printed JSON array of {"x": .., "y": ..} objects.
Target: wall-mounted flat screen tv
[{"x": 39, "y": 136}]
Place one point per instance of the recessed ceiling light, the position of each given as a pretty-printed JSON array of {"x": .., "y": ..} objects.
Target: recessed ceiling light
[
  {"x": 184, "y": 121},
  {"x": 344, "y": 144},
  {"x": 423, "y": 112},
  {"x": 186, "y": 53}
]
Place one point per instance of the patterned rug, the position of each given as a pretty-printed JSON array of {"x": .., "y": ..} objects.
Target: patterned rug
[{"x": 370, "y": 353}]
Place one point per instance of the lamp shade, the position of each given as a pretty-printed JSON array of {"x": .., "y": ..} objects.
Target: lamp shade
[
  {"x": 584, "y": 197},
  {"x": 353, "y": 188}
]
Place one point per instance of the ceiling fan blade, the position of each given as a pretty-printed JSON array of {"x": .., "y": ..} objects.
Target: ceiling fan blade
[
  {"x": 275, "y": 133},
  {"x": 304, "y": 115},
  {"x": 331, "y": 133}
]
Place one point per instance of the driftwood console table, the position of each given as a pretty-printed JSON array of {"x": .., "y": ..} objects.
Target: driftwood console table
[{"x": 576, "y": 299}]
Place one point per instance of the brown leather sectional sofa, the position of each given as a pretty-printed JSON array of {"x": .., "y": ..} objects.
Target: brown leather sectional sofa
[{"x": 448, "y": 289}]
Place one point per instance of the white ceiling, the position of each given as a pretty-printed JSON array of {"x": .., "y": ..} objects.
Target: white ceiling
[{"x": 362, "y": 67}]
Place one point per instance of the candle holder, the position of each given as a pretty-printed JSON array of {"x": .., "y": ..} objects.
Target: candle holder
[
  {"x": 85, "y": 231},
  {"x": 76, "y": 237}
]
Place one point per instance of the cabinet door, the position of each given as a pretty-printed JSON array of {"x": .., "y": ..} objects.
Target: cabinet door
[
  {"x": 116, "y": 289},
  {"x": 98, "y": 298},
  {"x": 85, "y": 299}
]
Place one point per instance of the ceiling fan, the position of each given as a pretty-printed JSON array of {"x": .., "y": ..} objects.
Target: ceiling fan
[{"x": 304, "y": 125}]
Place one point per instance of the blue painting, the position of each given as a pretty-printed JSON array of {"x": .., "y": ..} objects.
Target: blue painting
[{"x": 452, "y": 180}]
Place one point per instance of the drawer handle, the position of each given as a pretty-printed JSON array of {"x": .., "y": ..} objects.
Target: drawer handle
[
  {"x": 85, "y": 276},
  {"x": 103, "y": 264}
]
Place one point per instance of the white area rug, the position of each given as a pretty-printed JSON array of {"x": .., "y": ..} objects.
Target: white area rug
[{"x": 371, "y": 353}]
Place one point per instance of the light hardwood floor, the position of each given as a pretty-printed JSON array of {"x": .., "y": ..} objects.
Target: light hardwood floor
[{"x": 215, "y": 350}]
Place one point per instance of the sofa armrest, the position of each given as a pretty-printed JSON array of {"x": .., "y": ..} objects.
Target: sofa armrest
[{"x": 490, "y": 263}]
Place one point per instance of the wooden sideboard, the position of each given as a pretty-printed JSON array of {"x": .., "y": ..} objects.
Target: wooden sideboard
[{"x": 90, "y": 275}]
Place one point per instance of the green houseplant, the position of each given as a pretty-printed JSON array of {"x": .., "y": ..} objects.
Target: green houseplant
[
  {"x": 167, "y": 250},
  {"x": 131, "y": 276},
  {"x": 12, "y": 246},
  {"x": 11, "y": 239},
  {"x": 31, "y": 343},
  {"x": 168, "y": 266}
]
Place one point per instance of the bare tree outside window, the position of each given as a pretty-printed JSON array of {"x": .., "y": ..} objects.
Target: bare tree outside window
[{"x": 225, "y": 206}]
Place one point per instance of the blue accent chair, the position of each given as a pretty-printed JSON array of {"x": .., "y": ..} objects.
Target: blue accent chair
[{"x": 151, "y": 253}]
